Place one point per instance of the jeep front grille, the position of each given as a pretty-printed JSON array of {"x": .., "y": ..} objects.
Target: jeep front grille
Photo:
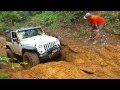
[{"x": 49, "y": 45}]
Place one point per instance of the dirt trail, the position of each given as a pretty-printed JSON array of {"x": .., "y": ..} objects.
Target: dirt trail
[
  {"x": 90, "y": 62},
  {"x": 82, "y": 62}
]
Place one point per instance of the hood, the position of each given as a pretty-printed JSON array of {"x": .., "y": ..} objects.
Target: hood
[{"x": 40, "y": 39}]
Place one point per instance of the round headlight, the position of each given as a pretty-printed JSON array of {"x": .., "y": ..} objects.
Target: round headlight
[
  {"x": 40, "y": 46},
  {"x": 57, "y": 41}
]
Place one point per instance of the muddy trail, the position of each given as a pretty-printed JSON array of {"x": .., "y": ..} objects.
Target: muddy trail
[
  {"x": 88, "y": 62},
  {"x": 82, "y": 62},
  {"x": 99, "y": 61}
]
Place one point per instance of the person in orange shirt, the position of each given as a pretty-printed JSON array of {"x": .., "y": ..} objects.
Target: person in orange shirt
[{"x": 96, "y": 22}]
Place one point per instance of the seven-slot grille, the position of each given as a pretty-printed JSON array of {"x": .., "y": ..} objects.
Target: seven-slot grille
[{"x": 49, "y": 45}]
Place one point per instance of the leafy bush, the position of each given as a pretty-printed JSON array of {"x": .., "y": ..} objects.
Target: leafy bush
[
  {"x": 6, "y": 64},
  {"x": 113, "y": 21},
  {"x": 56, "y": 18},
  {"x": 3, "y": 75},
  {"x": 4, "y": 61},
  {"x": 44, "y": 19},
  {"x": 17, "y": 19}
]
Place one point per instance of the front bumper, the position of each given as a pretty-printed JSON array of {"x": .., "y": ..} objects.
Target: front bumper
[{"x": 53, "y": 52}]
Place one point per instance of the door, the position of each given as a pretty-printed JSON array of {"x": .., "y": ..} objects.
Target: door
[{"x": 16, "y": 44}]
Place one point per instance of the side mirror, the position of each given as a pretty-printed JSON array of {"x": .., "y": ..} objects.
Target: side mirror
[{"x": 7, "y": 31}]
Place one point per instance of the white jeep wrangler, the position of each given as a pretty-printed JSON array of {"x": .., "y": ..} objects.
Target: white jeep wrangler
[{"x": 32, "y": 44}]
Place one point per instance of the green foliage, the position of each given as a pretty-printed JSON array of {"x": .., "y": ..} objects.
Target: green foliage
[
  {"x": 24, "y": 63},
  {"x": 3, "y": 75},
  {"x": 66, "y": 18},
  {"x": 9, "y": 17},
  {"x": 15, "y": 59},
  {"x": 4, "y": 61},
  {"x": 17, "y": 19},
  {"x": 2, "y": 32},
  {"x": 17, "y": 25},
  {"x": 15, "y": 66},
  {"x": 56, "y": 18},
  {"x": 113, "y": 21},
  {"x": 45, "y": 18}
]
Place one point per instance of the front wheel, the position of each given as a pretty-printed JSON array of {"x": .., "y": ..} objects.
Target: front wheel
[
  {"x": 10, "y": 54},
  {"x": 31, "y": 58},
  {"x": 62, "y": 55}
]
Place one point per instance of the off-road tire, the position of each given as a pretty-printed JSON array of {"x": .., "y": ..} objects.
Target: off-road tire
[
  {"x": 32, "y": 59},
  {"x": 62, "y": 56},
  {"x": 10, "y": 54}
]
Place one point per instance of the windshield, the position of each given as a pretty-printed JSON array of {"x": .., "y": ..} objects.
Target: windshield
[{"x": 30, "y": 33}]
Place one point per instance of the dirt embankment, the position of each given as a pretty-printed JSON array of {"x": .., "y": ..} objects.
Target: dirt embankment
[
  {"x": 2, "y": 46},
  {"x": 88, "y": 62},
  {"x": 83, "y": 61}
]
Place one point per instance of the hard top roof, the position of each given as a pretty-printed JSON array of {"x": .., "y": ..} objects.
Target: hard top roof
[
  {"x": 21, "y": 29},
  {"x": 27, "y": 28}
]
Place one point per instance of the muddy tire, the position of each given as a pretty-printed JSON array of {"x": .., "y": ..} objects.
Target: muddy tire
[
  {"x": 10, "y": 54},
  {"x": 31, "y": 58},
  {"x": 62, "y": 56}
]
